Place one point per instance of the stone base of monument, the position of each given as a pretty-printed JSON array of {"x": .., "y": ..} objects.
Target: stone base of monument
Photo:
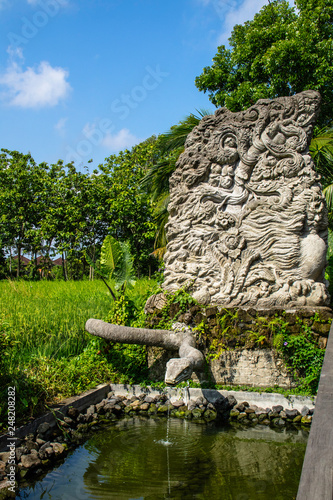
[
  {"x": 238, "y": 344},
  {"x": 245, "y": 367}
]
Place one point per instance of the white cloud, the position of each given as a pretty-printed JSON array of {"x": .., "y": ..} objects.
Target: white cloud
[
  {"x": 232, "y": 12},
  {"x": 60, "y": 125},
  {"x": 33, "y": 88},
  {"x": 120, "y": 141},
  {"x": 237, "y": 14},
  {"x": 15, "y": 53}
]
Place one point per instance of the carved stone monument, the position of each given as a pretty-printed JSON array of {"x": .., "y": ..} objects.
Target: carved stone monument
[{"x": 247, "y": 218}]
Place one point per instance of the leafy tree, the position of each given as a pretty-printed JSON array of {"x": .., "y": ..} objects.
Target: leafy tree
[
  {"x": 21, "y": 201},
  {"x": 124, "y": 206},
  {"x": 280, "y": 52}
]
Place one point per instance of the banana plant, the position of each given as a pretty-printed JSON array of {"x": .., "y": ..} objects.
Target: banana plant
[{"x": 116, "y": 264}]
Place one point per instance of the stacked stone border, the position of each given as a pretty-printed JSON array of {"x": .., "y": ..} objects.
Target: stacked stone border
[{"x": 41, "y": 444}]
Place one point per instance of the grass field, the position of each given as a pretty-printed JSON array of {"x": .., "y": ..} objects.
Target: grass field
[
  {"x": 48, "y": 318},
  {"x": 44, "y": 349}
]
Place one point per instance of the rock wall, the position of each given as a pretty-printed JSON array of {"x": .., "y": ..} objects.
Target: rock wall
[
  {"x": 238, "y": 343},
  {"x": 247, "y": 219},
  {"x": 251, "y": 367}
]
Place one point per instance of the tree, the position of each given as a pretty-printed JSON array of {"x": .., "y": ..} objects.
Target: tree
[
  {"x": 124, "y": 206},
  {"x": 21, "y": 201},
  {"x": 279, "y": 53},
  {"x": 156, "y": 181}
]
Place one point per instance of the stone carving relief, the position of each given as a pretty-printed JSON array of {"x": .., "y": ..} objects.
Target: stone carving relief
[{"x": 247, "y": 218}]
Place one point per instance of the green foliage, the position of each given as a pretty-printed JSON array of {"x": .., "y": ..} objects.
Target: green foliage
[
  {"x": 182, "y": 299},
  {"x": 116, "y": 263},
  {"x": 7, "y": 342},
  {"x": 227, "y": 320},
  {"x": 278, "y": 341},
  {"x": 304, "y": 357},
  {"x": 124, "y": 205},
  {"x": 321, "y": 150},
  {"x": 280, "y": 52},
  {"x": 56, "y": 209}
]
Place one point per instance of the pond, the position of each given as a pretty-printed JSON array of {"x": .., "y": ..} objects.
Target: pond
[{"x": 150, "y": 459}]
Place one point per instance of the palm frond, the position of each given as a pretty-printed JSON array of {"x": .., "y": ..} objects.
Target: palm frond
[
  {"x": 175, "y": 137},
  {"x": 162, "y": 216},
  {"x": 156, "y": 181},
  {"x": 328, "y": 193},
  {"x": 321, "y": 150}
]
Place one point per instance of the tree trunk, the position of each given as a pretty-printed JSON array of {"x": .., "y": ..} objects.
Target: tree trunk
[
  {"x": 63, "y": 266},
  {"x": 18, "y": 261}
]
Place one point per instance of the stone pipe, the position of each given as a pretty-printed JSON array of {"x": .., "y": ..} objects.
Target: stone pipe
[{"x": 178, "y": 369}]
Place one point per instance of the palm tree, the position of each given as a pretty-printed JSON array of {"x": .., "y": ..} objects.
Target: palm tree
[
  {"x": 321, "y": 150},
  {"x": 156, "y": 181}
]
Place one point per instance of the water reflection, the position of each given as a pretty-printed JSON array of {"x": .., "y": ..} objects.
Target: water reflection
[{"x": 130, "y": 461}]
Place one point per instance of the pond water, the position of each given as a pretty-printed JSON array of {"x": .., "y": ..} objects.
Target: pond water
[{"x": 150, "y": 459}]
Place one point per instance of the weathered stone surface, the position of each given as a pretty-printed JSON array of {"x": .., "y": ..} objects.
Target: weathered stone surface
[
  {"x": 155, "y": 302},
  {"x": 73, "y": 413},
  {"x": 304, "y": 411},
  {"x": 257, "y": 367},
  {"x": 291, "y": 413},
  {"x": 31, "y": 445},
  {"x": 91, "y": 410},
  {"x": 247, "y": 218},
  {"x": 43, "y": 428},
  {"x": 4, "y": 456},
  {"x": 58, "y": 448},
  {"x": 30, "y": 460}
]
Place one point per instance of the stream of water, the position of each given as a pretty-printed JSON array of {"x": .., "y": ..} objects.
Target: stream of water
[{"x": 151, "y": 459}]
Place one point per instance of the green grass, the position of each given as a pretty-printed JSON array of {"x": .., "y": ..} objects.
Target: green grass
[
  {"x": 48, "y": 318},
  {"x": 44, "y": 349}
]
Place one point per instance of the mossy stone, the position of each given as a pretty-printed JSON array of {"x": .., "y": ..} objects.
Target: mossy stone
[
  {"x": 152, "y": 409},
  {"x": 82, "y": 428},
  {"x": 306, "y": 420},
  {"x": 263, "y": 416},
  {"x": 210, "y": 415},
  {"x": 278, "y": 422},
  {"x": 162, "y": 409},
  {"x": 234, "y": 414},
  {"x": 197, "y": 412}
]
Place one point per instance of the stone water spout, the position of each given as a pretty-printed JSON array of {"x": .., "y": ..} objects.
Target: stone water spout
[{"x": 178, "y": 369}]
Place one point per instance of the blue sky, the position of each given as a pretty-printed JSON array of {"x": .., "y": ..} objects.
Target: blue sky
[{"x": 82, "y": 79}]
